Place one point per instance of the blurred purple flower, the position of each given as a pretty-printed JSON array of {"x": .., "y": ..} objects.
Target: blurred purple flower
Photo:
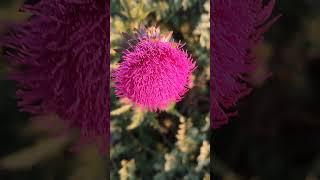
[
  {"x": 154, "y": 71},
  {"x": 61, "y": 63},
  {"x": 236, "y": 27}
]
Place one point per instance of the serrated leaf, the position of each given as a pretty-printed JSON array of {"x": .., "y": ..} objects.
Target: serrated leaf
[
  {"x": 120, "y": 110},
  {"x": 136, "y": 119}
]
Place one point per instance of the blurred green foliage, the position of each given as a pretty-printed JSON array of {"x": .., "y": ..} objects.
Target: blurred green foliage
[
  {"x": 172, "y": 144},
  {"x": 276, "y": 135},
  {"x": 32, "y": 148}
]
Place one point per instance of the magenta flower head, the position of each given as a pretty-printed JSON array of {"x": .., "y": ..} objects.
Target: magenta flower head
[
  {"x": 60, "y": 58},
  {"x": 236, "y": 27},
  {"x": 154, "y": 71}
]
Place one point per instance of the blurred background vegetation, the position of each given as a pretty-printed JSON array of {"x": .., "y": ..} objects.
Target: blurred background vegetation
[
  {"x": 276, "y": 135},
  {"x": 30, "y": 148}
]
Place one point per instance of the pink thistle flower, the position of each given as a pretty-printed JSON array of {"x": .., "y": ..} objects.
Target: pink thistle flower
[
  {"x": 154, "y": 71},
  {"x": 61, "y": 63},
  {"x": 236, "y": 27}
]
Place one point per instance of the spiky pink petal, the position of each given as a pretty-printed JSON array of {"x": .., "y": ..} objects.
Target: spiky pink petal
[{"x": 153, "y": 74}]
